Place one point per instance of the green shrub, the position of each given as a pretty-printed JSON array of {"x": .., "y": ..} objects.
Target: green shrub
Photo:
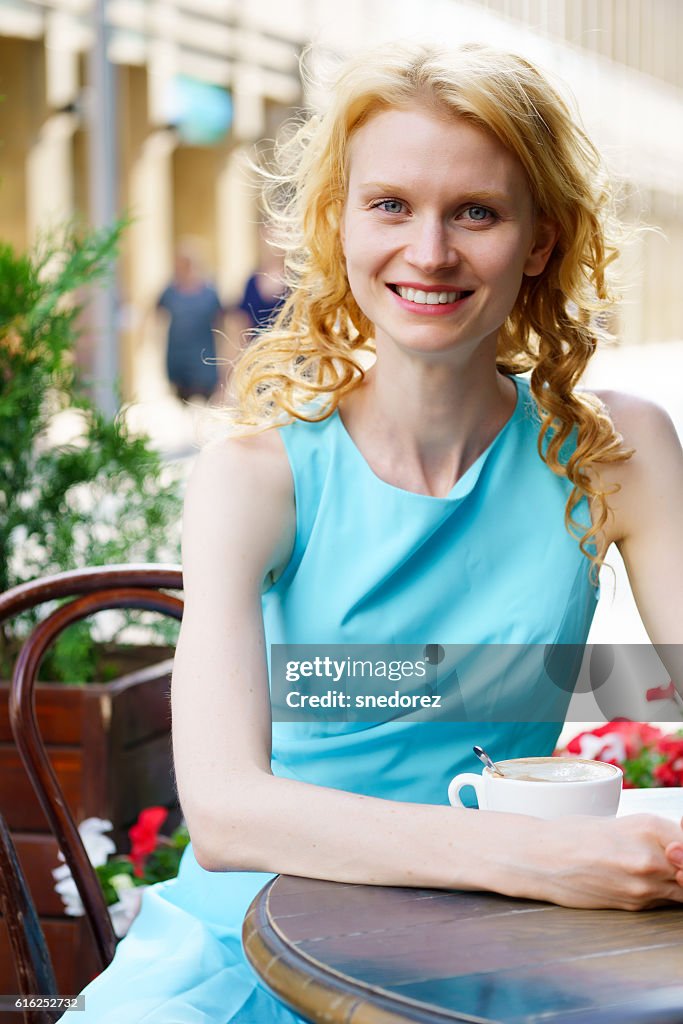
[{"x": 105, "y": 496}]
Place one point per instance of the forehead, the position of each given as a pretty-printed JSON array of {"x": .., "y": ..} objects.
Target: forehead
[{"x": 415, "y": 146}]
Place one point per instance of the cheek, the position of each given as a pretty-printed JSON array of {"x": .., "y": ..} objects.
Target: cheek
[
  {"x": 360, "y": 258},
  {"x": 503, "y": 262},
  {"x": 357, "y": 280},
  {"x": 364, "y": 245}
]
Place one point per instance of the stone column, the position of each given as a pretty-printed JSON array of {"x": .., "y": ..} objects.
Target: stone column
[
  {"x": 238, "y": 216},
  {"x": 151, "y": 258},
  {"x": 50, "y": 176},
  {"x": 49, "y": 162}
]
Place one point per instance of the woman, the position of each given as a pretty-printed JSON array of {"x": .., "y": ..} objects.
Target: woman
[
  {"x": 450, "y": 215},
  {"x": 194, "y": 312},
  {"x": 263, "y": 295}
]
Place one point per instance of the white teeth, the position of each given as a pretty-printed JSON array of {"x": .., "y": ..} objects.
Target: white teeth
[{"x": 428, "y": 298}]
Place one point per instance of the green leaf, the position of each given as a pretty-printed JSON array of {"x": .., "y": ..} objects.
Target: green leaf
[
  {"x": 639, "y": 770},
  {"x": 105, "y": 497}
]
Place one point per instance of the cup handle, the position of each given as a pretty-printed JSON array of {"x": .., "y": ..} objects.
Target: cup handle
[{"x": 459, "y": 782}]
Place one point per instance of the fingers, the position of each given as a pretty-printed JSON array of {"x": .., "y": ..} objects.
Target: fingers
[
  {"x": 675, "y": 892},
  {"x": 656, "y": 873},
  {"x": 634, "y": 866},
  {"x": 674, "y": 854}
]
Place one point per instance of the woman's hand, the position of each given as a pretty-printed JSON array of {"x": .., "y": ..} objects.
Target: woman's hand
[
  {"x": 674, "y": 853},
  {"x": 624, "y": 863}
]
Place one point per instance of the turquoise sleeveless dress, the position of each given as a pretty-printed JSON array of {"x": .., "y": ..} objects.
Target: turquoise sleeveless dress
[{"x": 490, "y": 564}]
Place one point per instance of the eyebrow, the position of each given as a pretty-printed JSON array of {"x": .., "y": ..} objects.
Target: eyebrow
[{"x": 472, "y": 195}]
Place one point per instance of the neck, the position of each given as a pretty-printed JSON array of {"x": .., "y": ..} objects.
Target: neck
[{"x": 421, "y": 427}]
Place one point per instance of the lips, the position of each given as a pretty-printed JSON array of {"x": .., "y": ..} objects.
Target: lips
[{"x": 434, "y": 298}]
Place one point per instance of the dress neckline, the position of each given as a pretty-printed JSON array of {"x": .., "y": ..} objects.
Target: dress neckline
[{"x": 463, "y": 485}]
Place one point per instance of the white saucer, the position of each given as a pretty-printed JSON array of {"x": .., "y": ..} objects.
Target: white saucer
[{"x": 667, "y": 802}]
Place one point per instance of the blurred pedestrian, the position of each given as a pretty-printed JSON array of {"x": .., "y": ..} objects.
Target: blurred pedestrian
[
  {"x": 194, "y": 312},
  {"x": 263, "y": 296}
]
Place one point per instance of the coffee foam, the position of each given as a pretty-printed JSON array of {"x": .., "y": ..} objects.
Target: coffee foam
[{"x": 555, "y": 769}]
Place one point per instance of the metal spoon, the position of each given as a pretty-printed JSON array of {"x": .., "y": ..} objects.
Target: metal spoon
[{"x": 485, "y": 759}]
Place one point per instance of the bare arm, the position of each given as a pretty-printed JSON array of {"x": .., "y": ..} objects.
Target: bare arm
[
  {"x": 239, "y": 526},
  {"x": 645, "y": 524},
  {"x": 646, "y": 520}
]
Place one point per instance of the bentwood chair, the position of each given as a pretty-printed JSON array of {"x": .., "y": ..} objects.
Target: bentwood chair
[
  {"x": 91, "y": 590},
  {"x": 32, "y": 962}
]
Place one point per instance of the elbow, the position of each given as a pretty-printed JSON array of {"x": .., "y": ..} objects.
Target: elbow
[
  {"x": 219, "y": 845},
  {"x": 229, "y": 836},
  {"x": 208, "y": 857}
]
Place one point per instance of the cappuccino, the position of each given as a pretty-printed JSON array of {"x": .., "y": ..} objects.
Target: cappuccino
[
  {"x": 588, "y": 787},
  {"x": 555, "y": 769}
]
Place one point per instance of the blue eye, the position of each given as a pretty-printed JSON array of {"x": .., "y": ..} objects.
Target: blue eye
[
  {"x": 389, "y": 205},
  {"x": 479, "y": 213}
]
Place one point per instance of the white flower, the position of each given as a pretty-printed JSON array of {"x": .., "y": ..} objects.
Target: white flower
[
  {"x": 98, "y": 847},
  {"x": 66, "y": 887},
  {"x": 611, "y": 747},
  {"x": 121, "y": 882},
  {"x": 126, "y": 910}
]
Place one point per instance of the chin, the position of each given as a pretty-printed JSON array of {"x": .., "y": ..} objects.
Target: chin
[
  {"x": 427, "y": 348},
  {"x": 420, "y": 337}
]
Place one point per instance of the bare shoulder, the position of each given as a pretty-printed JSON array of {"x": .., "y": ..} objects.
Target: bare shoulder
[
  {"x": 640, "y": 421},
  {"x": 259, "y": 457},
  {"x": 241, "y": 494},
  {"x": 645, "y": 428},
  {"x": 655, "y": 470}
]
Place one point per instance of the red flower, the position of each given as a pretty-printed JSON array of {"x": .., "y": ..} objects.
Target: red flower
[
  {"x": 670, "y": 772},
  {"x": 648, "y": 757},
  {"x": 671, "y": 745},
  {"x": 630, "y": 736},
  {"x": 144, "y": 836}
]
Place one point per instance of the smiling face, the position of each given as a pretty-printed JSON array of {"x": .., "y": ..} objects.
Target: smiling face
[{"x": 438, "y": 230}]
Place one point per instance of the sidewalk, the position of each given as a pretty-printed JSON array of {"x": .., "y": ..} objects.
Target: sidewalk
[{"x": 173, "y": 426}]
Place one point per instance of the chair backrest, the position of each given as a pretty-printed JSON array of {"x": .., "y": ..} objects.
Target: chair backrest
[
  {"x": 93, "y": 590},
  {"x": 27, "y": 942}
]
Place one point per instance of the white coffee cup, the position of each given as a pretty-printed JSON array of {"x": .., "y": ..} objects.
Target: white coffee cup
[{"x": 544, "y": 787}]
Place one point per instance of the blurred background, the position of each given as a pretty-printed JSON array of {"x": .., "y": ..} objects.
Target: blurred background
[{"x": 155, "y": 106}]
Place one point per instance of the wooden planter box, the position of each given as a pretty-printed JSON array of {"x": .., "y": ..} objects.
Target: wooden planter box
[{"x": 110, "y": 746}]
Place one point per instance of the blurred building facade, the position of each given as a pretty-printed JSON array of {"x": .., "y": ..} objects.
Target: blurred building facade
[
  {"x": 172, "y": 184},
  {"x": 621, "y": 59}
]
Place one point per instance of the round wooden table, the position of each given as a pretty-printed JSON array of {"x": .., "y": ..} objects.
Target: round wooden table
[{"x": 358, "y": 954}]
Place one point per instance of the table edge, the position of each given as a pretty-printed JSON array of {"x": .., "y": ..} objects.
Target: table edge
[{"x": 308, "y": 987}]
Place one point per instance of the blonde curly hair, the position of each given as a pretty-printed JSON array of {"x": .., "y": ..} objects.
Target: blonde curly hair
[{"x": 312, "y": 356}]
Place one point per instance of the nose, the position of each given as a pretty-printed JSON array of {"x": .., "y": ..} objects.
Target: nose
[{"x": 432, "y": 247}]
